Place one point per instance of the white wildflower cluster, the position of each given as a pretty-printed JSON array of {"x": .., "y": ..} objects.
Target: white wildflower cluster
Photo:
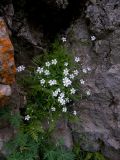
[
  {"x": 61, "y": 88},
  {"x": 20, "y": 68},
  {"x": 86, "y": 70},
  {"x": 45, "y": 70}
]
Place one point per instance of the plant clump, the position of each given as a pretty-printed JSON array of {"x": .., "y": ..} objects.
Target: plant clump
[{"x": 52, "y": 85}]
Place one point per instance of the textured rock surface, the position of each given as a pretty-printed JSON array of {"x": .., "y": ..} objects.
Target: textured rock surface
[
  {"x": 7, "y": 64},
  {"x": 104, "y": 16},
  {"x": 99, "y": 127},
  {"x": 63, "y": 132},
  {"x": 100, "y": 115},
  {"x": 5, "y": 135},
  {"x": 58, "y": 3},
  {"x": 5, "y": 93}
]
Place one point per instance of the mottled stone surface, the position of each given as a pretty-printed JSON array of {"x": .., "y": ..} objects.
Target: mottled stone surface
[
  {"x": 63, "y": 132},
  {"x": 5, "y": 135},
  {"x": 5, "y": 93},
  {"x": 99, "y": 125},
  {"x": 104, "y": 16},
  {"x": 7, "y": 64}
]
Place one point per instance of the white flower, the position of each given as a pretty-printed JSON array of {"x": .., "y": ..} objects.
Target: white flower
[
  {"x": 39, "y": 70},
  {"x": 53, "y": 109},
  {"x": 88, "y": 68},
  {"x": 20, "y": 68},
  {"x": 84, "y": 70},
  {"x": 42, "y": 81},
  {"x": 54, "y": 61},
  {"x": 62, "y": 95},
  {"x": 82, "y": 81},
  {"x": 72, "y": 76},
  {"x": 46, "y": 72},
  {"x": 88, "y": 92},
  {"x": 65, "y": 71},
  {"x": 74, "y": 112},
  {"x": 72, "y": 91},
  {"x": 47, "y": 64},
  {"x": 27, "y": 118},
  {"x": 66, "y": 64},
  {"x": 55, "y": 93},
  {"x": 75, "y": 72},
  {"x": 64, "y": 109},
  {"x": 61, "y": 100},
  {"x": 93, "y": 38},
  {"x": 66, "y": 82},
  {"x": 52, "y": 82},
  {"x": 64, "y": 39},
  {"x": 77, "y": 59}
]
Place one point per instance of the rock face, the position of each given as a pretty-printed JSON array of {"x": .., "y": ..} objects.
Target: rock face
[
  {"x": 7, "y": 64},
  {"x": 100, "y": 114},
  {"x": 99, "y": 125},
  {"x": 58, "y": 3},
  {"x": 7, "y": 78},
  {"x": 5, "y": 135}
]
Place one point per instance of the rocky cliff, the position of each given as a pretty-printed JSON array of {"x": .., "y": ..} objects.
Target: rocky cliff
[{"x": 92, "y": 28}]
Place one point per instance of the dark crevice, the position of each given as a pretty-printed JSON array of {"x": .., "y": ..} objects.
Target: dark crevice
[
  {"x": 54, "y": 20},
  {"x": 36, "y": 24}
]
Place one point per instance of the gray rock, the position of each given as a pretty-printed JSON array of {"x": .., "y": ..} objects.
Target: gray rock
[
  {"x": 63, "y": 133},
  {"x": 99, "y": 125},
  {"x": 5, "y": 135},
  {"x": 58, "y": 3},
  {"x": 104, "y": 16},
  {"x": 5, "y": 90}
]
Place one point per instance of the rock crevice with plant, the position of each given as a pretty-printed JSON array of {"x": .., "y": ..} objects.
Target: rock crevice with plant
[{"x": 83, "y": 110}]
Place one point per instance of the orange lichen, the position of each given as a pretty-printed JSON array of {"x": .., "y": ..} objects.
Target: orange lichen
[
  {"x": 7, "y": 64},
  {"x": 8, "y": 69}
]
